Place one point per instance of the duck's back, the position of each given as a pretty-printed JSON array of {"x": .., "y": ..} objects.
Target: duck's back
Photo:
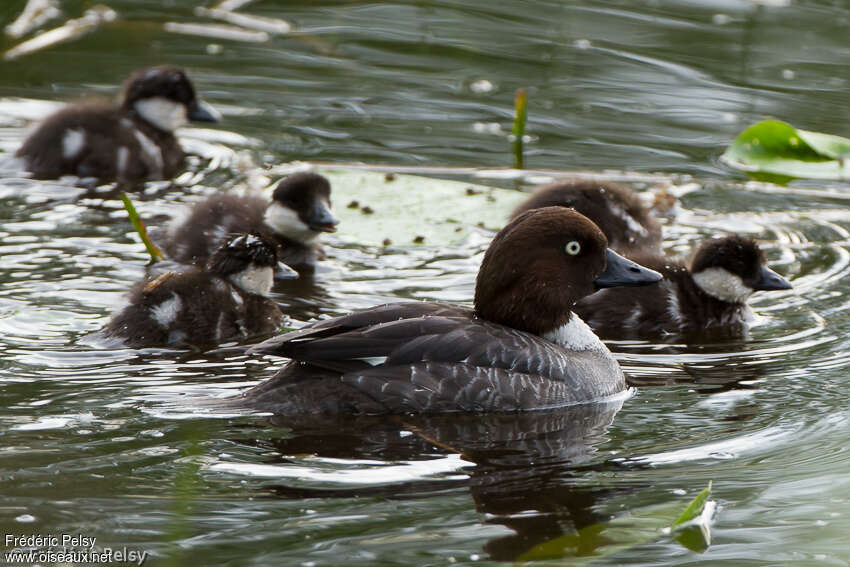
[{"x": 427, "y": 358}]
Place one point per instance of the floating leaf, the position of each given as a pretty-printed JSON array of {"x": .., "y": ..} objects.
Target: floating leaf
[
  {"x": 606, "y": 538},
  {"x": 776, "y": 151},
  {"x": 694, "y": 508},
  {"x": 693, "y": 526},
  {"x": 409, "y": 209},
  {"x": 829, "y": 145},
  {"x": 629, "y": 530},
  {"x": 696, "y": 537}
]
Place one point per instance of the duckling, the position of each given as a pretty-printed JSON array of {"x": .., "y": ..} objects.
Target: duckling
[
  {"x": 299, "y": 211},
  {"x": 708, "y": 296},
  {"x": 131, "y": 141},
  {"x": 614, "y": 208},
  {"x": 227, "y": 300}
]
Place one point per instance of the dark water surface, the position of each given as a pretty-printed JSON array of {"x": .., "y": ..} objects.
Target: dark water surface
[{"x": 124, "y": 445}]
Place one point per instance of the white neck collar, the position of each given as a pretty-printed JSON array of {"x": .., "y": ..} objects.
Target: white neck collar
[{"x": 575, "y": 335}]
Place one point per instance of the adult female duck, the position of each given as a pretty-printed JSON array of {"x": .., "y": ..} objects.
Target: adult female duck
[{"x": 520, "y": 348}]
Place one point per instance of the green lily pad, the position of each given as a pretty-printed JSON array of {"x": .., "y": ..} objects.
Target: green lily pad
[
  {"x": 776, "y": 151},
  {"x": 376, "y": 208}
]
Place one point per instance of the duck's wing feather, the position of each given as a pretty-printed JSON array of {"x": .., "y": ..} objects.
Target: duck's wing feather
[
  {"x": 481, "y": 366},
  {"x": 456, "y": 387},
  {"x": 404, "y": 350},
  {"x": 426, "y": 357},
  {"x": 407, "y": 333},
  {"x": 296, "y": 344}
]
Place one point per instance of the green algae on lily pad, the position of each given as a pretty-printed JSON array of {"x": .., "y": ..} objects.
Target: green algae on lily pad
[
  {"x": 376, "y": 208},
  {"x": 776, "y": 151}
]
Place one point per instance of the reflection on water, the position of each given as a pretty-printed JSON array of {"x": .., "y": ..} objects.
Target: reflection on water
[
  {"x": 519, "y": 469},
  {"x": 100, "y": 439}
]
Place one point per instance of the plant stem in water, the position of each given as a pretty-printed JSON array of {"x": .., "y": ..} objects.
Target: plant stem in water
[
  {"x": 518, "y": 133},
  {"x": 139, "y": 225}
]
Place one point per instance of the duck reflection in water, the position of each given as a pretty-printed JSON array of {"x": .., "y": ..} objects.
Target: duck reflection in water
[
  {"x": 522, "y": 469},
  {"x": 722, "y": 364}
]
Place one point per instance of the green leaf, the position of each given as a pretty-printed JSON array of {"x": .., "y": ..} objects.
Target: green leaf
[
  {"x": 696, "y": 538},
  {"x": 404, "y": 210},
  {"x": 606, "y": 538},
  {"x": 776, "y": 151},
  {"x": 829, "y": 145},
  {"x": 634, "y": 528},
  {"x": 694, "y": 508},
  {"x": 694, "y": 531}
]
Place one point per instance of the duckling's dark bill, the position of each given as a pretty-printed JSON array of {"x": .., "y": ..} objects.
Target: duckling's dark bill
[
  {"x": 770, "y": 281},
  {"x": 323, "y": 227},
  {"x": 321, "y": 219},
  {"x": 621, "y": 271},
  {"x": 284, "y": 272},
  {"x": 203, "y": 112}
]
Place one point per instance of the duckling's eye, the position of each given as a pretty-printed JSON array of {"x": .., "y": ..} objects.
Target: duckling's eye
[{"x": 573, "y": 247}]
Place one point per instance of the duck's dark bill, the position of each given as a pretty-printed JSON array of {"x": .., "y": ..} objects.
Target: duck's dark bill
[
  {"x": 321, "y": 219},
  {"x": 770, "y": 280},
  {"x": 621, "y": 271},
  {"x": 203, "y": 112},
  {"x": 284, "y": 272}
]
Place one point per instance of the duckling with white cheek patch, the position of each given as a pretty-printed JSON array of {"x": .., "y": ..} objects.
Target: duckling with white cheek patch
[
  {"x": 132, "y": 141},
  {"x": 228, "y": 300},
  {"x": 299, "y": 211},
  {"x": 710, "y": 297}
]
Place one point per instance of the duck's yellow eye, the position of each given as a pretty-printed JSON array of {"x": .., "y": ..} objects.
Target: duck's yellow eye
[{"x": 573, "y": 247}]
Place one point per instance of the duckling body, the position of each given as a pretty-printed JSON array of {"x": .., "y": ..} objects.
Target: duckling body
[
  {"x": 615, "y": 209},
  {"x": 131, "y": 141},
  {"x": 297, "y": 214},
  {"x": 708, "y": 296},
  {"x": 228, "y": 300}
]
